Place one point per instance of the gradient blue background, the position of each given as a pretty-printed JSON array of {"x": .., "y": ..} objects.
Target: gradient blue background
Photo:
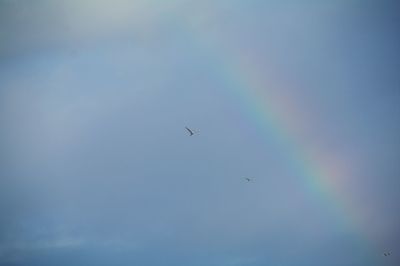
[{"x": 96, "y": 167}]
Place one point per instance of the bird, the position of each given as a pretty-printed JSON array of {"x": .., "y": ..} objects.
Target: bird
[
  {"x": 387, "y": 254},
  {"x": 248, "y": 179},
  {"x": 191, "y": 132}
]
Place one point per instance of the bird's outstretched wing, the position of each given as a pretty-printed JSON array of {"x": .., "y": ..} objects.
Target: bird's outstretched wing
[{"x": 190, "y": 131}]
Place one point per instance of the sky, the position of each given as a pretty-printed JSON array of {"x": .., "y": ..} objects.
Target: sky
[{"x": 97, "y": 168}]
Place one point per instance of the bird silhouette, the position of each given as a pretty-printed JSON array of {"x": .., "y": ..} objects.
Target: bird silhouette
[
  {"x": 248, "y": 179},
  {"x": 387, "y": 254},
  {"x": 191, "y": 132}
]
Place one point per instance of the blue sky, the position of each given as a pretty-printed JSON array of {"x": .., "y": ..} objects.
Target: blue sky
[{"x": 96, "y": 165}]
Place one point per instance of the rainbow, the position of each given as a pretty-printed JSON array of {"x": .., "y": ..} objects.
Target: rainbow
[{"x": 277, "y": 117}]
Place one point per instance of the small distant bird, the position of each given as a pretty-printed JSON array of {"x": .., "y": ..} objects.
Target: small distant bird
[
  {"x": 387, "y": 254},
  {"x": 191, "y": 132},
  {"x": 248, "y": 179}
]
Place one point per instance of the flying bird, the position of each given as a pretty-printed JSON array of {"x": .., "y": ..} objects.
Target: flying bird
[
  {"x": 387, "y": 254},
  {"x": 248, "y": 179},
  {"x": 191, "y": 132}
]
